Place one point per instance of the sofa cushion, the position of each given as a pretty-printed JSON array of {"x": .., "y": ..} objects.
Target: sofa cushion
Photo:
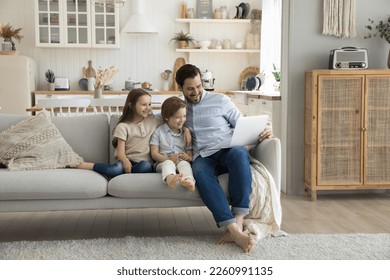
[
  {"x": 67, "y": 183},
  {"x": 113, "y": 122},
  {"x": 138, "y": 185},
  {"x": 87, "y": 135},
  {"x": 36, "y": 143}
]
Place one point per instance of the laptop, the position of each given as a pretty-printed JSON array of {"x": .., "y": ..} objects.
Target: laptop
[{"x": 247, "y": 130}]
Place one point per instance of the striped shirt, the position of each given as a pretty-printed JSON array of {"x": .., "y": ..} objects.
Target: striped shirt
[{"x": 211, "y": 122}]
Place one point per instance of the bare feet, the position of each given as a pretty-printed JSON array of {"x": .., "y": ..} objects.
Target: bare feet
[
  {"x": 225, "y": 238},
  {"x": 188, "y": 183},
  {"x": 172, "y": 180},
  {"x": 85, "y": 165},
  {"x": 243, "y": 240}
]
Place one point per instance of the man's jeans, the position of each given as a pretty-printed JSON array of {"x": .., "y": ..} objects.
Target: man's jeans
[
  {"x": 234, "y": 161},
  {"x": 115, "y": 169}
]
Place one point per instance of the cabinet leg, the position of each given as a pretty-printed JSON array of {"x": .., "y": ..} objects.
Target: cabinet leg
[
  {"x": 306, "y": 192},
  {"x": 313, "y": 195}
]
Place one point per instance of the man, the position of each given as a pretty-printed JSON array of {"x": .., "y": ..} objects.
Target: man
[{"x": 211, "y": 117}]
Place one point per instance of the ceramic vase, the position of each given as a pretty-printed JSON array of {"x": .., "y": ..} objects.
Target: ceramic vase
[
  {"x": 388, "y": 60},
  {"x": 52, "y": 86},
  {"x": 6, "y": 45},
  {"x": 98, "y": 92}
]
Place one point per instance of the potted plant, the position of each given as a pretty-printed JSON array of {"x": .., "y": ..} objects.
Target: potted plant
[
  {"x": 381, "y": 29},
  {"x": 50, "y": 78},
  {"x": 276, "y": 73},
  {"x": 183, "y": 39},
  {"x": 8, "y": 33}
]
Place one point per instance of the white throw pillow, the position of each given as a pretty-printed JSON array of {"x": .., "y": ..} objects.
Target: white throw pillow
[{"x": 36, "y": 143}]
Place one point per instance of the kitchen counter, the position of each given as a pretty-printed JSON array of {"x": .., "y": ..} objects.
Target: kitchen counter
[
  {"x": 275, "y": 95},
  {"x": 90, "y": 92}
]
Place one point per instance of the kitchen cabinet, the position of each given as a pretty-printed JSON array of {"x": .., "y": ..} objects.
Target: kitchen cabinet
[
  {"x": 267, "y": 105},
  {"x": 157, "y": 96},
  {"x": 75, "y": 23},
  {"x": 347, "y": 124},
  {"x": 254, "y": 103}
]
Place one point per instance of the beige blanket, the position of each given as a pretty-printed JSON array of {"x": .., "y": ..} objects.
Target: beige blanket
[{"x": 265, "y": 216}]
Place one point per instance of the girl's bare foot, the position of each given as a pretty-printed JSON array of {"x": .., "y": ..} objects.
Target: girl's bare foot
[
  {"x": 189, "y": 184},
  {"x": 171, "y": 180}
]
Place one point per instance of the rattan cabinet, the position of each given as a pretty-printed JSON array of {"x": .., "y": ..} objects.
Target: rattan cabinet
[{"x": 347, "y": 130}]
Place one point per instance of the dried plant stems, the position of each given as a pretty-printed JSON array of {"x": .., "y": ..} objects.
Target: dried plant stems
[{"x": 105, "y": 76}]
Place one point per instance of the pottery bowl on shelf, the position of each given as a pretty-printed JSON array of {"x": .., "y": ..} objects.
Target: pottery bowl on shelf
[{"x": 204, "y": 44}]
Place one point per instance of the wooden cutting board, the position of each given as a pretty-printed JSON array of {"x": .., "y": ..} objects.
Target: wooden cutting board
[
  {"x": 180, "y": 61},
  {"x": 90, "y": 72}
]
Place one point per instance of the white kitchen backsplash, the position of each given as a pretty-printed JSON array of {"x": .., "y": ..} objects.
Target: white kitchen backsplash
[{"x": 141, "y": 57}]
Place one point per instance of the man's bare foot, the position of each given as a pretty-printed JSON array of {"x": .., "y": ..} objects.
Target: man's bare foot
[
  {"x": 86, "y": 165},
  {"x": 243, "y": 240},
  {"x": 225, "y": 238},
  {"x": 172, "y": 179},
  {"x": 189, "y": 184}
]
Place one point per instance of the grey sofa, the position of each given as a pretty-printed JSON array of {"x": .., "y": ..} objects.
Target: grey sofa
[{"x": 73, "y": 189}]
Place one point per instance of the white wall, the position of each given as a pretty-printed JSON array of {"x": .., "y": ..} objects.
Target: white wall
[
  {"x": 143, "y": 57},
  {"x": 304, "y": 48}
]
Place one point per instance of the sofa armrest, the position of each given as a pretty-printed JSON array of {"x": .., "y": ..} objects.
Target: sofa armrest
[{"x": 268, "y": 152}]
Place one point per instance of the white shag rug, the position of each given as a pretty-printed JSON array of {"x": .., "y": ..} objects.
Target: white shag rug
[{"x": 290, "y": 247}]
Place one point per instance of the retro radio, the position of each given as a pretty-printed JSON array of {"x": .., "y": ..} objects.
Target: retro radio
[{"x": 348, "y": 58}]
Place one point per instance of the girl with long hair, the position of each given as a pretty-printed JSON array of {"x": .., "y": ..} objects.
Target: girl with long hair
[{"x": 131, "y": 138}]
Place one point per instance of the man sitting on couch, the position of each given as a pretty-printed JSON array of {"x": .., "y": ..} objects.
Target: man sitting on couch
[{"x": 210, "y": 118}]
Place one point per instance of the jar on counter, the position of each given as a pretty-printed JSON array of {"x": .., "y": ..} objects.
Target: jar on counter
[
  {"x": 217, "y": 14},
  {"x": 190, "y": 13},
  {"x": 226, "y": 44},
  {"x": 223, "y": 12}
]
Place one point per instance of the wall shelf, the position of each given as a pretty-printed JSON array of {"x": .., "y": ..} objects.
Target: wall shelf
[
  {"x": 200, "y": 20},
  {"x": 189, "y": 50}
]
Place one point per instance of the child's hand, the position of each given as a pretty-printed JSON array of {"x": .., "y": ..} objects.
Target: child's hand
[
  {"x": 184, "y": 156},
  {"x": 127, "y": 166},
  {"x": 174, "y": 158}
]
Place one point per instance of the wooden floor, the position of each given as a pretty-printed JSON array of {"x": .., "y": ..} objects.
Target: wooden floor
[{"x": 364, "y": 213}]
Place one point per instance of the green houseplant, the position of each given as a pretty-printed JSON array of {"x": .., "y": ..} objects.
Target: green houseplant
[
  {"x": 183, "y": 39},
  {"x": 380, "y": 29},
  {"x": 276, "y": 73},
  {"x": 50, "y": 78},
  {"x": 9, "y": 33}
]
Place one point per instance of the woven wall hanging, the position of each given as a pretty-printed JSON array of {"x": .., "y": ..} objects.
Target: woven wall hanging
[{"x": 339, "y": 18}]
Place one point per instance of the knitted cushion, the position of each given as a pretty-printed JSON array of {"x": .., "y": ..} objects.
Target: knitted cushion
[{"x": 35, "y": 143}]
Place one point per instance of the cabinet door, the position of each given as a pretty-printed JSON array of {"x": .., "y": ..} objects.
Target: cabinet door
[
  {"x": 49, "y": 23},
  {"x": 76, "y": 23},
  {"x": 339, "y": 139},
  {"x": 105, "y": 27},
  {"x": 377, "y": 148},
  {"x": 77, "y": 27}
]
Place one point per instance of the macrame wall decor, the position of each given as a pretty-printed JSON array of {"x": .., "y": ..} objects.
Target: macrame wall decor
[{"x": 339, "y": 18}]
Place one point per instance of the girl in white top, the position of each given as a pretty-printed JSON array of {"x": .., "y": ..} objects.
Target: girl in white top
[{"x": 168, "y": 146}]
